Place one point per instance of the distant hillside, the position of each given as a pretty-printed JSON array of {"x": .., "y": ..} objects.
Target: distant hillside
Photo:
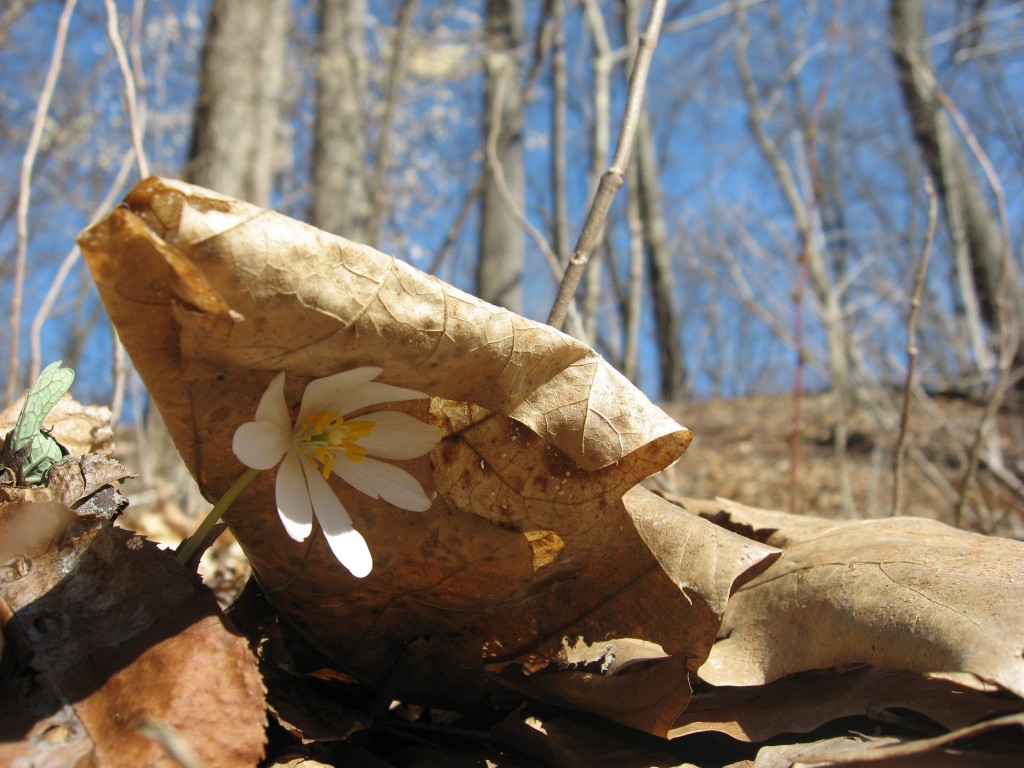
[{"x": 741, "y": 450}]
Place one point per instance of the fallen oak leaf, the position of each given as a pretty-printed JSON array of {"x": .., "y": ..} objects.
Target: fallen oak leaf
[
  {"x": 896, "y": 593},
  {"x": 103, "y": 630}
]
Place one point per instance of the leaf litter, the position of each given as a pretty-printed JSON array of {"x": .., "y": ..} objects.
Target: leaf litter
[{"x": 544, "y": 586}]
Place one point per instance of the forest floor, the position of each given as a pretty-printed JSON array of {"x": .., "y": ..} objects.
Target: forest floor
[{"x": 742, "y": 450}]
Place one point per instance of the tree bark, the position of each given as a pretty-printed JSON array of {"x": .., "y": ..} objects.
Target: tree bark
[
  {"x": 340, "y": 199},
  {"x": 993, "y": 273},
  {"x": 234, "y": 132},
  {"x": 668, "y": 325},
  {"x": 603, "y": 67},
  {"x": 235, "y": 122},
  {"x": 499, "y": 277}
]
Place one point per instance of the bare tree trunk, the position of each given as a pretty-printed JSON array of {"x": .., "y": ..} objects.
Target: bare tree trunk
[
  {"x": 603, "y": 64},
  {"x": 236, "y": 116},
  {"x": 668, "y": 326},
  {"x": 969, "y": 214},
  {"x": 668, "y": 330},
  {"x": 233, "y": 146},
  {"x": 634, "y": 291},
  {"x": 559, "y": 85},
  {"x": 499, "y": 277},
  {"x": 339, "y": 152},
  {"x": 377, "y": 191}
]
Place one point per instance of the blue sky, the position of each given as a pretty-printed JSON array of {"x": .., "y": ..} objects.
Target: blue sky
[{"x": 720, "y": 196}]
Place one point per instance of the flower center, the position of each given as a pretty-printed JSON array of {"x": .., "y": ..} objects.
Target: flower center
[{"x": 323, "y": 437}]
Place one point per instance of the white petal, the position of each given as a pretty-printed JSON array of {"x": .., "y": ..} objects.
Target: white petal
[
  {"x": 373, "y": 393},
  {"x": 272, "y": 406},
  {"x": 345, "y": 542},
  {"x": 350, "y": 548},
  {"x": 378, "y": 479},
  {"x": 323, "y": 394},
  {"x": 398, "y": 435},
  {"x": 260, "y": 444},
  {"x": 293, "y": 502}
]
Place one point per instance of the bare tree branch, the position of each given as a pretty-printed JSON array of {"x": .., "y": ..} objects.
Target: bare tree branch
[
  {"x": 457, "y": 223},
  {"x": 908, "y": 383},
  {"x": 25, "y": 191},
  {"x": 612, "y": 179},
  {"x": 136, "y": 122}
]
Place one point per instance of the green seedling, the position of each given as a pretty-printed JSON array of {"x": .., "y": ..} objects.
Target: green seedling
[{"x": 28, "y": 451}]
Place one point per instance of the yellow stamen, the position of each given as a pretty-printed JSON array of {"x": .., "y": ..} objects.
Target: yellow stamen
[{"x": 322, "y": 437}]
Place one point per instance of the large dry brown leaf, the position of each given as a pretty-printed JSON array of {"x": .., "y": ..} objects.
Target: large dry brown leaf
[
  {"x": 533, "y": 538},
  {"x": 106, "y": 634},
  {"x": 898, "y": 593},
  {"x": 803, "y": 703},
  {"x": 863, "y": 751}
]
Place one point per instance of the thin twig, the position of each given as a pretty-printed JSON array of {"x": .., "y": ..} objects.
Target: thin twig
[
  {"x": 908, "y": 384},
  {"x": 176, "y": 746},
  {"x": 378, "y": 188},
  {"x": 119, "y": 377},
  {"x": 540, "y": 44},
  {"x": 468, "y": 202},
  {"x": 25, "y": 191},
  {"x": 130, "y": 93},
  {"x": 612, "y": 179},
  {"x": 700, "y": 18}
]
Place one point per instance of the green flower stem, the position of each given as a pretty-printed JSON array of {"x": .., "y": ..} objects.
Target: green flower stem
[{"x": 215, "y": 514}]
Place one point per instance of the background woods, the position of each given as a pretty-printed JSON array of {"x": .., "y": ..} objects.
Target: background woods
[
  {"x": 802, "y": 241},
  {"x": 772, "y": 238}
]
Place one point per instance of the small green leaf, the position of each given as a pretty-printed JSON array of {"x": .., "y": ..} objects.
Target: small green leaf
[
  {"x": 50, "y": 387},
  {"x": 28, "y": 452},
  {"x": 45, "y": 453}
]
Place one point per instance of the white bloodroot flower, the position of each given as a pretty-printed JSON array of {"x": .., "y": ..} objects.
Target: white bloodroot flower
[{"x": 322, "y": 441}]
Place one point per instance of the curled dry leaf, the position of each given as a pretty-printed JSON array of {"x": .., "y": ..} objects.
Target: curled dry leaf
[
  {"x": 898, "y": 593},
  {"x": 532, "y": 538},
  {"x": 804, "y": 702},
  {"x": 105, "y": 633},
  {"x": 990, "y": 744},
  {"x": 71, "y": 481}
]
